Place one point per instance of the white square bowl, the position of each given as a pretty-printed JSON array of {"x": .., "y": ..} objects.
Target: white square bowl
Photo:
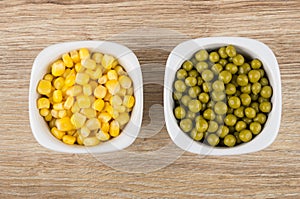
[
  {"x": 40, "y": 67},
  {"x": 250, "y": 47}
]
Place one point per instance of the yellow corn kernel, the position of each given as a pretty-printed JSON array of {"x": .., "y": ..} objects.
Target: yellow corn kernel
[
  {"x": 110, "y": 110},
  {"x": 104, "y": 117},
  {"x": 97, "y": 57},
  {"x": 105, "y": 127},
  {"x": 84, "y": 53},
  {"x": 120, "y": 109},
  {"x": 57, "y": 133},
  {"x": 58, "y": 106},
  {"x": 90, "y": 141},
  {"x": 48, "y": 77},
  {"x": 93, "y": 84},
  {"x": 128, "y": 101},
  {"x": 57, "y": 96},
  {"x": 107, "y": 61},
  {"x": 58, "y": 68},
  {"x": 114, "y": 129},
  {"x": 72, "y": 132},
  {"x": 67, "y": 60},
  {"x": 75, "y": 134},
  {"x": 112, "y": 75},
  {"x": 48, "y": 118},
  {"x": 74, "y": 90},
  {"x": 82, "y": 78},
  {"x": 89, "y": 112},
  {"x": 102, "y": 136},
  {"x": 102, "y": 79},
  {"x": 44, "y": 87},
  {"x": 78, "y": 120},
  {"x": 64, "y": 89},
  {"x": 43, "y": 102},
  {"x": 122, "y": 92},
  {"x": 75, "y": 108},
  {"x": 129, "y": 91},
  {"x": 79, "y": 140},
  {"x": 115, "y": 100},
  {"x": 66, "y": 73},
  {"x": 112, "y": 86},
  {"x": 70, "y": 78},
  {"x": 94, "y": 74},
  {"x": 68, "y": 139},
  {"x": 51, "y": 99},
  {"x": 87, "y": 89},
  {"x": 83, "y": 101},
  {"x": 69, "y": 113},
  {"x": 100, "y": 91},
  {"x": 120, "y": 71},
  {"x": 69, "y": 102},
  {"x": 52, "y": 123},
  {"x": 79, "y": 68},
  {"x": 115, "y": 63},
  {"x": 75, "y": 56},
  {"x": 54, "y": 113},
  {"x": 64, "y": 124},
  {"x": 44, "y": 112},
  {"x": 125, "y": 81},
  {"x": 98, "y": 105},
  {"x": 59, "y": 83},
  {"x": 85, "y": 131},
  {"x": 88, "y": 63},
  {"x": 107, "y": 107},
  {"x": 123, "y": 118},
  {"x": 107, "y": 97},
  {"x": 93, "y": 124},
  {"x": 92, "y": 99},
  {"x": 62, "y": 113}
]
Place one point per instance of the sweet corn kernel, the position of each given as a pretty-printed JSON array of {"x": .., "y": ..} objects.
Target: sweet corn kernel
[
  {"x": 44, "y": 87},
  {"x": 59, "y": 83},
  {"x": 107, "y": 97},
  {"x": 69, "y": 102},
  {"x": 85, "y": 131},
  {"x": 92, "y": 99},
  {"x": 115, "y": 63},
  {"x": 57, "y": 96},
  {"x": 78, "y": 120},
  {"x": 52, "y": 123},
  {"x": 120, "y": 70},
  {"x": 125, "y": 81},
  {"x": 70, "y": 79},
  {"x": 102, "y": 136},
  {"x": 62, "y": 113},
  {"x": 72, "y": 133},
  {"x": 68, "y": 139},
  {"x": 103, "y": 79},
  {"x": 94, "y": 74},
  {"x": 44, "y": 112},
  {"x": 43, "y": 102},
  {"x": 120, "y": 109},
  {"x": 66, "y": 73},
  {"x": 64, "y": 89},
  {"x": 112, "y": 86},
  {"x": 104, "y": 117},
  {"x": 79, "y": 68},
  {"x": 54, "y": 113},
  {"x": 57, "y": 133},
  {"x": 87, "y": 89},
  {"x": 112, "y": 75},
  {"x": 122, "y": 92},
  {"x": 93, "y": 84},
  {"x": 82, "y": 78},
  {"x": 75, "y": 134},
  {"x": 93, "y": 124},
  {"x": 75, "y": 108},
  {"x": 89, "y": 112},
  {"x": 75, "y": 56},
  {"x": 123, "y": 118},
  {"x": 100, "y": 91},
  {"x": 83, "y": 101},
  {"x": 115, "y": 100},
  {"x": 107, "y": 61},
  {"x": 97, "y": 57},
  {"x": 129, "y": 91},
  {"x": 58, "y": 68},
  {"x": 48, "y": 77},
  {"x": 48, "y": 117},
  {"x": 69, "y": 113},
  {"x": 84, "y": 53},
  {"x": 128, "y": 101},
  {"x": 105, "y": 127},
  {"x": 64, "y": 124},
  {"x": 67, "y": 60},
  {"x": 79, "y": 140},
  {"x": 98, "y": 105},
  {"x": 74, "y": 90},
  {"x": 58, "y": 106},
  {"x": 114, "y": 129},
  {"x": 88, "y": 63},
  {"x": 90, "y": 141}
]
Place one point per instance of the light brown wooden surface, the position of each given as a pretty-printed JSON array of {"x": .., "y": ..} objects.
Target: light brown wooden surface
[{"x": 31, "y": 171}]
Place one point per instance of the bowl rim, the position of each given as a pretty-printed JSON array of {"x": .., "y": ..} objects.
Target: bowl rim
[
  {"x": 127, "y": 59},
  {"x": 252, "y": 47}
]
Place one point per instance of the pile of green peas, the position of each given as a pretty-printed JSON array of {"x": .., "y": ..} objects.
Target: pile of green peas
[{"x": 222, "y": 98}]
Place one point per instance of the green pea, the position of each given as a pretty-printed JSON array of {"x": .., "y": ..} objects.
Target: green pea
[
  {"x": 255, "y": 105},
  {"x": 212, "y": 126},
  {"x": 234, "y": 102},
  {"x": 217, "y": 68},
  {"x": 186, "y": 125},
  {"x": 245, "y": 99},
  {"x": 256, "y": 64},
  {"x": 239, "y": 112},
  {"x": 214, "y": 57},
  {"x": 201, "y": 125},
  {"x": 180, "y": 86},
  {"x": 230, "y": 89},
  {"x": 201, "y": 66},
  {"x": 242, "y": 80},
  {"x": 240, "y": 125},
  {"x": 191, "y": 81},
  {"x": 207, "y": 75},
  {"x": 230, "y": 120},
  {"x": 209, "y": 114},
  {"x": 211, "y": 104},
  {"x": 177, "y": 95},
  {"x": 230, "y": 51},
  {"x": 220, "y": 119},
  {"x": 179, "y": 112},
  {"x": 213, "y": 139},
  {"x": 262, "y": 72},
  {"x": 206, "y": 87},
  {"x": 254, "y": 97},
  {"x": 238, "y": 60},
  {"x": 266, "y": 92},
  {"x": 223, "y": 131},
  {"x": 195, "y": 106},
  {"x": 260, "y": 118},
  {"x": 190, "y": 115},
  {"x": 220, "y": 108},
  {"x": 222, "y": 53},
  {"x": 250, "y": 112},
  {"x": 187, "y": 65},
  {"x": 262, "y": 99},
  {"x": 218, "y": 95},
  {"x": 245, "y": 135},
  {"x": 201, "y": 55},
  {"x": 199, "y": 81},
  {"x": 181, "y": 74},
  {"x": 255, "y": 128},
  {"x": 265, "y": 107},
  {"x": 244, "y": 69},
  {"x": 203, "y": 97},
  {"x": 193, "y": 73},
  {"x": 247, "y": 120},
  {"x": 232, "y": 68},
  {"x": 229, "y": 140},
  {"x": 225, "y": 76},
  {"x": 256, "y": 88},
  {"x": 264, "y": 81},
  {"x": 218, "y": 85},
  {"x": 254, "y": 76},
  {"x": 236, "y": 135},
  {"x": 230, "y": 110},
  {"x": 185, "y": 100},
  {"x": 196, "y": 135},
  {"x": 246, "y": 89},
  {"x": 223, "y": 62},
  {"x": 194, "y": 91}
]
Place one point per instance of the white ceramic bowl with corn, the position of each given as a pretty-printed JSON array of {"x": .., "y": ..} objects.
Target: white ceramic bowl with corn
[{"x": 96, "y": 96}]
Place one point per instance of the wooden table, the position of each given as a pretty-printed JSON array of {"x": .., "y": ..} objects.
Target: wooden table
[{"x": 31, "y": 171}]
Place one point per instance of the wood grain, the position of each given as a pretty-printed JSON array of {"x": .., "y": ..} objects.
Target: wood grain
[{"x": 28, "y": 170}]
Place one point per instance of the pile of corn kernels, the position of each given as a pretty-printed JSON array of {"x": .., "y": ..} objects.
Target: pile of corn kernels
[{"x": 86, "y": 98}]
